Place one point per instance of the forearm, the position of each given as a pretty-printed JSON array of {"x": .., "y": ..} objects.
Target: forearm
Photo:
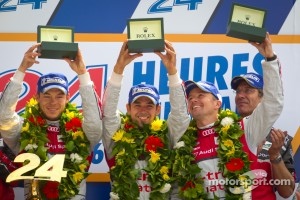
[
  {"x": 284, "y": 177},
  {"x": 10, "y": 121},
  {"x": 267, "y": 112},
  {"x": 92, "y": 116},
  {"x": 178, "y": 119},
  {"x": 9, "y": 97},
  {"x": 111, "y": 116}
]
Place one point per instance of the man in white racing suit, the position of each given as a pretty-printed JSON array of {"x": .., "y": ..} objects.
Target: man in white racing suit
[
  {"x": 204, "y": 102},
  {"x": 143, "y": 107},
  {"x": 52, "y": 97}
]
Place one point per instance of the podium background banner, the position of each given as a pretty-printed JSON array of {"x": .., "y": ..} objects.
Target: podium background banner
[{"x": 196, "y": 28}]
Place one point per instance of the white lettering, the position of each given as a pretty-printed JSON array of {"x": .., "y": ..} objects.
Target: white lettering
[
  {"x": 208, "y": 132},
  {"x": 53, "y": 128},
  {"x": 53, "y": 80},
  {"x": 146, "y": 90}
]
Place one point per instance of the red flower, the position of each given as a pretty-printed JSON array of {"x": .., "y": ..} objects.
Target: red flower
[
  {"x": 73, "y": 124},
  {"x": 188, "y": 185},
  {"x": 38, "y": 121},
  {"x": 235, "y": 164},
  {"x": 51, "y": 190},
  {"x": 128, "y": 127},
  {"x": 152, "y": 143}
]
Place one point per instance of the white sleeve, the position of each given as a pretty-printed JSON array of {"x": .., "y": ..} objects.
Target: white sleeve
[
  {"x": 260, "y": 122},
  {"x": 178, "y": 119}
]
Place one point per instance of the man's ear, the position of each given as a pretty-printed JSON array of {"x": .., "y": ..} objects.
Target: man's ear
[
  {"x": 37, "y": 97},
  {"x": 158, "y": 109},
  {"x": 68, "y": 97},
  {"x": 128, "y": 108},
  {"x": 219, "y": 104}
]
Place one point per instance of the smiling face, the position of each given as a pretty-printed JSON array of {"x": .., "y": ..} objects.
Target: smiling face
[
  {"x": 203, "y": 106},
  {"x": 246, "y": 99},
  {"x": 143, "y": 110},
  {"x": 52, "y": 103}
]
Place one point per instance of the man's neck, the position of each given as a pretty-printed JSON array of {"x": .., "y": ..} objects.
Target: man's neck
[{"x": 205, "y": 122}]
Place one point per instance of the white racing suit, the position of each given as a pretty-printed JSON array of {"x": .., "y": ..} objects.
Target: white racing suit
[
  {"x": 256, "y": 128},
  {"x": 11, "y": 122},
  {"x": 178, "y": 121}
]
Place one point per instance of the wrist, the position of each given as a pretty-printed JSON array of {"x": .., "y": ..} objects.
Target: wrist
[
  {"x": 276, "y": 159},
  {"x": 119, "y": 68},
  {"x": 22, "y": 69},
  {"x": 274, "y": 57}
]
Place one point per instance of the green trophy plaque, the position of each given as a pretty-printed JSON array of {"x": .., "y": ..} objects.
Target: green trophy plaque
[
  {"x": 56, "y": 42},
  {"x": 145, "y": 35},
  {"x": 247, "y": 23}
]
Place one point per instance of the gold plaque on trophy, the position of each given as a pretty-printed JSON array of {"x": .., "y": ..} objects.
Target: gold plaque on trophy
[
  {"x": 247, "y": 23},
  {"x": 145, "y": 35},
  {"x": 56, "y": 42}
]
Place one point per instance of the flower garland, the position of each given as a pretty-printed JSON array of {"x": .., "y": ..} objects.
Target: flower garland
[
  {"x": 233, "y": 161},
  {"x": 34, "y": 138},
  {"x": 132, "y": 144},
  {"x": 185, "y": 169}
]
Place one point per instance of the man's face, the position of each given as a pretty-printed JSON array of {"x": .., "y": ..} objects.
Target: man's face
[
  {"x": 246, "y": 99},
  {"x": 202, "y": 104},
  {"x": 52, "y": 103},
  {"x": 143, "y": 111}
]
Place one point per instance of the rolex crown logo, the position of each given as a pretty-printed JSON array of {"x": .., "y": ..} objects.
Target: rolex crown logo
[
  {"x": 145, "y": 29},
  {"x": 247, "y": 17},
  {"x": 55, "y": 37}
]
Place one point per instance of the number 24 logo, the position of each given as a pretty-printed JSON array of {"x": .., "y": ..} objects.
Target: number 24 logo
[
  {"x": 52, "y": 170},
  {"x": 36, "y": 4}
]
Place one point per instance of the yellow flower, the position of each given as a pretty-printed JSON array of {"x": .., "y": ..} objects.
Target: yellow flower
[
  {"x": 191, "y": 128},
  {"x": 120, "y": 161},
  {"x": 78, "y": 176},
  {"x": 236, "y": 190},
  {"x": 70, "y": 115},
  {"x": 118, "y": 135},
  {"x": 164, "y": 170},
  {"x": 32, "y": 102},
  {"x": 242, "y": 178},
  {"x": 82, "y": 167},
  {"x": 72, "y": 192},
  {"x": 77, "y": 134},
  {"x": 26, "y": 127},
  {"x": 30, "y": 111},
  {"x": 230, "y": 152},
  {"x": 154, "y": 156},
  {"x": 224, "y": 129},
  {"x": 166, "y": 177},
  {"x": 228, "y": 143},
  {"x": 128, "y": 140},
  {"x": 228, "y": 112},
  {"x": 156, "y": 125},
  {"x": 120, "y": 153},
  {"x": 126, "y": 119},
  {"x": 244, "y": 181},
  {"x": 82, "y": 145}
]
